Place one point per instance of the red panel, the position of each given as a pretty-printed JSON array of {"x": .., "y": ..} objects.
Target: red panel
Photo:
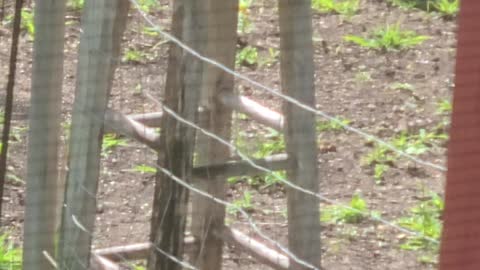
[{"x": 460, "y": 248}]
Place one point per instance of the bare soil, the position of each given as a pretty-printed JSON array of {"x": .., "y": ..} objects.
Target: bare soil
[{"x": 351, "y": 82}]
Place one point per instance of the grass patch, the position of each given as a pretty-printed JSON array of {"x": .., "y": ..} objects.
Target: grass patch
[
  {"x": 342, "y": 7},
  {"x": 245, "y": 203},
  {"x": 10, "y": 256},
  {"x": 388, "y": 38},
  {"x": 110, "y": 142}
]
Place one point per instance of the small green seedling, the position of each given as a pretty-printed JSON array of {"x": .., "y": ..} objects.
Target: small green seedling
[
  {"x": 27, "y": 23},
  {"x": 343, "y": 7},
  {"x": 425, "y": 220},
  {"x": 245, "y": 25},
  {"x": 245, "y": 204},
  {"x": 338, "y": 214},
  {"x": 444, "y": 106},
  {"x": 75, "y": 4},
  {"x": 270, "y": 59},
  {"x": 391, "y": 37},
  {"x": 247, "y": 56},
  {"x": 402, "y": 86},
  {"x": 10, "y": 256},
  {"x": 111, "y": 141},
  {"x": 333, "y": 125},
  {"x": 448, "y": 8},
  {"x": 274, "y": 143},
  {"x": 148, "y": 5},
  {"x": 144, "y": 169},
  {"x": 404, "y": 4},
  {"x": 363, "y": 77},
  {"x": 134, "y": 56},
  {"x": 382, "y": 158}
]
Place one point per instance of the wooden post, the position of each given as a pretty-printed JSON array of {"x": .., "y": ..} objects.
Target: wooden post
[
  {"x": 177, "y": 140},
  {"x": 461, "y": 227},
  {"x": 208, "y": 216},
  {"x": 296, "y": 56},
  {"x": 103, "y": 26},
  {"x": 42, "y": 209}
]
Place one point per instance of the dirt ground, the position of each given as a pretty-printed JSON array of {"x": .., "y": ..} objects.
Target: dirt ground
[{"x": 351, "y": 82}]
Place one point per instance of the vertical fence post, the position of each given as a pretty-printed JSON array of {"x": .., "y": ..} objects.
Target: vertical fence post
[
  {"x": 41, "y": 211},
  {"x": 103, "y": 23},
  {"x": 297, "y": 74},
  {"x": 177, "y": 141},
  {"x": 208, "y": 216},
  {"x": 461, "y": 228}
]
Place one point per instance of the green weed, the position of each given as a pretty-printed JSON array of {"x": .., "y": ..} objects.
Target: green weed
[
  {"x": 148, "y": 5},
  {"x": 425, "y": 220},
  {"x": 27, "y": 23},
  {"x": 143, "y": 169},
  {"x": 10, "y": 256},
  {"x": 343, "y": 7},
  {"x": 134, "y": 56},
  {"x": 444, "y": 106},
  {"x": 75, "y": 4},
  {"x": 402, "y": 86},
  {"x": 448, "y": 8},
  {"x": 247, "y": 56},
  {"x": 382, "y": 157},
  {"x": 150, "y": 31},
  {"x": 245, "y": 203},
  {"x": 339, "y": 214},
  {"x": 363, "y": 77},
  {"x": 274, "y": 143},
  {"x": 270, "y": 59},
  {"x": 245, "y": 25},
  {"x": 111, "y": 141},
  {"x": 391, "y": 37},
  {"x": 330, "y": 125}
]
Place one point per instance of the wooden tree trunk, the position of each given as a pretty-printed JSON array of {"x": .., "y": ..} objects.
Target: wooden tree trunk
[
  {"x": 103, "y": 25},
  {"x": 41, "y": 211},
  {"x": 297, "y": 81},
  {"x": 208, "y": 216},
  {"x": 177, "y": 140}
]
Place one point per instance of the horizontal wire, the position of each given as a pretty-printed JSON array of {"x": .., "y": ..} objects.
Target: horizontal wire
[{"x": 283, "y": 96}]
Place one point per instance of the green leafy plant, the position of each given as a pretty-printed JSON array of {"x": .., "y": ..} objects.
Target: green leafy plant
[
  {"x": 134, "y": 56},
  {"x": 148, "y": 5},
  {"x": 245, "y": 203},
  {"x": 274, "y": 143},
  {"x": 425, "y": 220},
  {"x": 10, "y": 256},
  {"x": 444, "y": 106},
  {"x": 28, "y": 23},
  {"x": 382, "y": 157},
  {"x": 247, "y": 56},
  {"x": 343, "y": 7},
  {"x": 363, "y": 76},
  {"x": 331, "y": 125},
  {"x": 404, "y": 4},
  {"x": 143, "y": 169},
  {"x": 270, "y": 59},
  {"x": 150, "y": 31},
  {"x": 339, "y": 214},
  {"x": 391, "y": 37},
  {"x": 448, "y": 8},
  {"x": 76, "y": 4},
  {"x": 245, "y": 25},
  {"x": 111, "y": 141},
  {"x": 402, "y": 86}
]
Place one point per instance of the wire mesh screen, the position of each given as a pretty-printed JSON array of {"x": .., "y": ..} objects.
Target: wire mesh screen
[{"x": 240, "y": 134}]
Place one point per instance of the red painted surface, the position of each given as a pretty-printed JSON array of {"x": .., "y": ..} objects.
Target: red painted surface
[{"x": 460, "y": 248}]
